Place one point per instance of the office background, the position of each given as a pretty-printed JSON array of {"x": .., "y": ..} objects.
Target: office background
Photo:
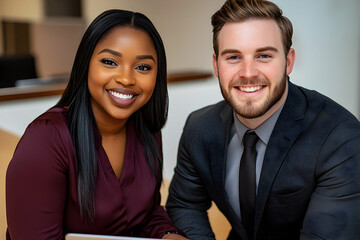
[{"x": 326, "y": 41}]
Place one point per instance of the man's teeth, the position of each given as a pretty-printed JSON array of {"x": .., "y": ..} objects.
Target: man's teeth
[
  {"x": 250, "y": 89},
  {"x": 121, "y": 96}
]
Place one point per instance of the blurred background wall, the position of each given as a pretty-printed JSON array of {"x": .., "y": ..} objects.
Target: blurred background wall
[{"x": 326, "y": 41}]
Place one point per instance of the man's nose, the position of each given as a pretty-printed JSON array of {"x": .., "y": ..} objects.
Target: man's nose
[{"x": 248, "y": 69}]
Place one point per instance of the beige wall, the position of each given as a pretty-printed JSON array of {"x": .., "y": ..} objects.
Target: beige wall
[
  {"x": 183, "y": 25},
  {"x": 22, "y": 10},
  {"x": 54, "y": 44},
  {"x": 53, "y": 41}
]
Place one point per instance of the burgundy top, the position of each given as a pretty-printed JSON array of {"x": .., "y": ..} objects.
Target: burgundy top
[{"x": 41, "y": 187}]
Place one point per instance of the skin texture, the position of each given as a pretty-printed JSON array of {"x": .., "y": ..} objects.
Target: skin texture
[{"x": 252, "y": 69}]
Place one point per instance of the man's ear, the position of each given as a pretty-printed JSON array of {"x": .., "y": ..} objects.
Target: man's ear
[
  {"x": 290, "y": 60},
  {"x": 215, "y": 66}
]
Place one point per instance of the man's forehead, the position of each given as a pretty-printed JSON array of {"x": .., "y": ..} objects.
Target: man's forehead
[
  {"x": 255, "y": 33},
  {"x": 252, "y": 22}
]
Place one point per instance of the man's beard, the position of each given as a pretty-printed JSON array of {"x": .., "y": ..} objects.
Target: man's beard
[{"x": 249, "y": 110}]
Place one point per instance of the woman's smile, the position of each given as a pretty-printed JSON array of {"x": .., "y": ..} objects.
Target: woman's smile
[{"x": 122, "y": 97}]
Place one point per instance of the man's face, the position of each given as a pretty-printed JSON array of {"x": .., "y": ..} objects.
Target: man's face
[{"x": 252, "y": 68}]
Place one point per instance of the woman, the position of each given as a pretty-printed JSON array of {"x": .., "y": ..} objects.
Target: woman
[{"x": 93, "y": 163}]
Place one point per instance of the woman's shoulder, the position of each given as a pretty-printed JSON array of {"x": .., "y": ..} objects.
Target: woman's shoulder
[
  {"x": 47, "y": 137},
  {"x": 54, "y": 114},
  {"x": 49, "y": 125}
]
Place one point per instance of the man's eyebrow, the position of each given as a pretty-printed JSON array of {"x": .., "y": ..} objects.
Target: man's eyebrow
[
  {"x": 111, "y": 52},
  {"x": 146, "y": 57},
  {"x": 263, "y": 49},
  {"x": 226, "y": 51}
]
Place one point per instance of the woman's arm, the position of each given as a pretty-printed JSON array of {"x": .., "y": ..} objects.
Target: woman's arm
[
  {"x": 158, "y": 225},
  {"x": 36, "y": 184}
]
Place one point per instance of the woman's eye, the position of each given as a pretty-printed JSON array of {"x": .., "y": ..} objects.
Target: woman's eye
[
  {"x": 109, "y": 62},
  {"x": 143, "y": 68}
]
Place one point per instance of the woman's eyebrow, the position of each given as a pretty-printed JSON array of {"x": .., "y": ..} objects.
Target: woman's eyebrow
[
  {"x": 146, "y": 57},
  {"x": 120, "y": 55},
  {"x": 111, "y": 52}
]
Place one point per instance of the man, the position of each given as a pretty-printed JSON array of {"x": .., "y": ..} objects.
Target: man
[{"x": 300, "y": 176}]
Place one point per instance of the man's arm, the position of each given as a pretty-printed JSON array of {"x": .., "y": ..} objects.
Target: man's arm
[
  {"x": 334, "y": 208},
  {"x": 188, "y": 199}
]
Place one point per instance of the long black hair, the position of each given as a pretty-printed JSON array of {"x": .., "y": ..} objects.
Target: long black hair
[{"x": 148, "y": 120}]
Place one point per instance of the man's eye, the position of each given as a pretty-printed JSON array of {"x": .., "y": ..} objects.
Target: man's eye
[
  {"x": 265, "y": 56},
  {"x": 233, "y": 58},
  {"x": 143, "y": 68},
  {"x": 109, "y": 62}
]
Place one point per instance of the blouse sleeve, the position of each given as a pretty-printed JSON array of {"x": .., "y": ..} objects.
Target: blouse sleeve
[
  {"x": 36, "y": 184},
  {"x": 158, "y": 223}
]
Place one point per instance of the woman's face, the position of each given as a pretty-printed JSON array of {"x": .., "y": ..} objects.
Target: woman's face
[{"x": 122, "y": 74}]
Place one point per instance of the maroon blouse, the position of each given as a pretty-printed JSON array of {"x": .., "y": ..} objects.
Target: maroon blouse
[{"x": 41, "y": 187}]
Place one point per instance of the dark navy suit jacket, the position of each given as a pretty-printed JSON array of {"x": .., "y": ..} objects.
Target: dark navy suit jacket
[{"x": 309, "y": 186}]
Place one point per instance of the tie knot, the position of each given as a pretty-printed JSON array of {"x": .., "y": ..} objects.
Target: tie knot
[{"x": 250, "y": 139}]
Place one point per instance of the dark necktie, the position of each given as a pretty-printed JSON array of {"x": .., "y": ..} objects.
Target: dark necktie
[{"x": 247, "y": 184}]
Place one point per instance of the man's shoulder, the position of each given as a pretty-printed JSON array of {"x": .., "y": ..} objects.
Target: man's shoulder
[
  {"x": 318, "y": 114},
  {"x": 209, "y": 124},
  {"x": 326, "y": 106},
  {"x": 310, "y": 104},
  {"x": 210, "y": 113}
]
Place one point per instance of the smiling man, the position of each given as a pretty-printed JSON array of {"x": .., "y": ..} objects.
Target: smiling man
[{"x": 280, "y": 161}]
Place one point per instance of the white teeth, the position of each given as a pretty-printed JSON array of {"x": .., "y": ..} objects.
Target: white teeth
[
  {"x": 250, "y": 89},
  {"x": 121, "y": 96}
]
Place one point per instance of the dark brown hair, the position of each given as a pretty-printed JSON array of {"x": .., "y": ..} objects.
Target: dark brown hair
[{"x": 242, "y": 10}]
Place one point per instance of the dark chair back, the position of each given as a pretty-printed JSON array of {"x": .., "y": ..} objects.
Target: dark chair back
[{"x": 16, "y": 67}]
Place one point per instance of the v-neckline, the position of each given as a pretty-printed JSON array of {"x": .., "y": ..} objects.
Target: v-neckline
[{"x": 108, "y": 167}]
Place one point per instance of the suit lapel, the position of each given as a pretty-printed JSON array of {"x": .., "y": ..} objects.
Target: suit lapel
[
  {"x": 222, "y": 138},
  {"x": 286, "y": 130},
  {"x": 218, "y": 167},
  {"x": 217, "y": 143}
]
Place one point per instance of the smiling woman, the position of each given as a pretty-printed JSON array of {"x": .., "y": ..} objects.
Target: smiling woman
[
  {"x": 122, "y": 74},
  {"x": 93, "y": 163}
]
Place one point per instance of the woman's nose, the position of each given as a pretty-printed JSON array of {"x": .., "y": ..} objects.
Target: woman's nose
[{"x": 125, "y": 76}]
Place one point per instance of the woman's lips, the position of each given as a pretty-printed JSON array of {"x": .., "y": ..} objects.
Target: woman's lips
[{"x": 122, "y": 97}]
